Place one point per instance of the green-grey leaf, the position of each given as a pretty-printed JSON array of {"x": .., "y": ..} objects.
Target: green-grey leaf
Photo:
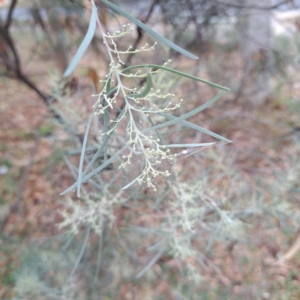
[
  {"x": 94, "y": 172},
  {"x": 82, "y": 155},
  {"x": 95, "y": 157},
  {"x": 149, "y": 30},
  {"x": 84, "y": 44},
  {"x": 189, "y": 145},
  {"x": 177, "y": 73},
  {"x": 197, "y": 127},
  {"x": 132, "y": 182},
  {"x": 146, "y": 90},
  {"x": 105, "y": 127},
  {"x": 102, "y": 147},
  {"x": 187, "y": 115},
  {"x": 106, "y": 114},
  {"x": 108, "y": 84},
  {"x": 151, "y": 263}
]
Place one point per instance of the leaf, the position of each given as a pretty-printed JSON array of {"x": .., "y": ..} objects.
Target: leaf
[
  {"x": 84, "y": 44},
  {"x": 146, "y": 90},
  {"x": 85, "y": 177},
  {"x": 196, "y": 127},
  {"x": 188, "y": 115},
  {"x": 108, "y": 84},
  {"x": 103, "y": 146},
  {"x": 94, "y": 172},
  {"x": 132, "y": 182},
  {"x": 189, "y": 145},
  {"x": 178, "y": 73},
  {"x": 83, "y": 247},
  {"x": 149, "y": 30},
  {"x": 82, "y": 155},
  {"x": 106, "y": 115},
  {"x": 151, "y": 263}
]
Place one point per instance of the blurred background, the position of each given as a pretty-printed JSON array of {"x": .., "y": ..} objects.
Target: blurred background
[{"x": 250, "y": 46}]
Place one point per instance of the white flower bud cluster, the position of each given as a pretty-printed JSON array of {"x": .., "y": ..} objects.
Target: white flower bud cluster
[
  {"x": 126, "y": 28},
  {"x": 141, "y": 101},
  {"x": 153, "y": 152},
  {"x": 90, "y": 213},
  {"x": 186, "y": 211},
  {"x": 127, "y": 161},
  {"x": 181, "y": 247}
]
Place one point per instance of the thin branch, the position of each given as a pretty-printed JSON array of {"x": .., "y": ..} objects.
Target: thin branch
[
  {"x": 10, "y": 14},
  {"x": 286, "y": 257},
  {"x": 240, "y": 6},
  {"x": 140, "y": 31},
  {"x": 198, "y": 36},
  {"x": 14, "y": 67},
  {"x": 10, "y": 43}
]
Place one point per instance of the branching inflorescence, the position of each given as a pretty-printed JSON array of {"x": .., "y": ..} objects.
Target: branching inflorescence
[{"x": 139, "y": 103}]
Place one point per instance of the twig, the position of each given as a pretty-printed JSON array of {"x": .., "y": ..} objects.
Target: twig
[
  {"x": 290, "y": 253},
  {"x": 13, "y": 64},
  {"x": 140, "y": 31},
  {"x": 10, "y": 14},
  {"x": 241, "y": 6}
]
